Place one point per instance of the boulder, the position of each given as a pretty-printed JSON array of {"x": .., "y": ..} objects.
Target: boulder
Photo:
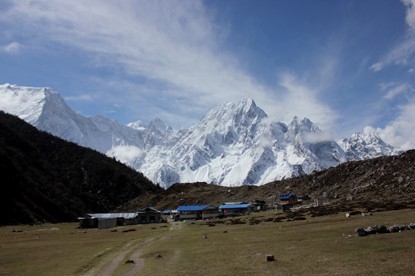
[
  {"x": 382, "y": 229},
  {"x": 361, "y": 232},
  {"x": 394, "y": 228},
  {"x": 270, "y": 258}
]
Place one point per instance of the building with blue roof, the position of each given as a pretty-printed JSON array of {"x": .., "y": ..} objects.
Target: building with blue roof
[
  {"x": 192, "y": 212},
  {"x": 235, "y": 208},
  {"x": 288, "y": 198}
]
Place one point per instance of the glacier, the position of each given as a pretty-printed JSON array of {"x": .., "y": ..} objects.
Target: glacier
[{"x": 234, "y": 144}]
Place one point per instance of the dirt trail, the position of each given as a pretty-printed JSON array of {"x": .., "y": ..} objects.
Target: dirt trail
[
  {"x": 135, "y": 249},
  {"x": 174, "y": 258},
  {"x": 176, "y": 225},
  {"x": 108, "y": 268},
  {"x": 138, "y": 262}
]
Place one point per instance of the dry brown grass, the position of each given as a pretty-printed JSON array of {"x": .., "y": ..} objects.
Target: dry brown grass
[{"x": 319, "y": 246}]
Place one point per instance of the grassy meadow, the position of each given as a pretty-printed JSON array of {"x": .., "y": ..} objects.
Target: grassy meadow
[{"x": 316, "y": 246}]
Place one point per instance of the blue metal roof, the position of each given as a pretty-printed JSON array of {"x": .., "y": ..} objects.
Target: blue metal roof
[
  {"x": 186, "y": 208},
  {"x": 235, "y": 206},
  {"x": 166, "y": 211},
  {"x": 287, "y": 196}
]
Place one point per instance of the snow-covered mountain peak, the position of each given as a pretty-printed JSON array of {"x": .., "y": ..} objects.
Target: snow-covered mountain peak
[
  {"x": 243, "y": 111},
  {"x": 303, "y": 124},
  {"x": 234, "y": 143},
  {"x": 300, "y": 129},
  {"x": 26, "y": 102},
  {"x": 366, "y": 137},
  {"x": 158, "y": 125},
  {"x": 137, "y": 125},
  {"x": 364, "y": 145}
]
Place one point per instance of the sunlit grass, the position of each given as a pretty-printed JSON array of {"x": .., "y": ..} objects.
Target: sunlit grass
[{"x": 322, "y": 245}]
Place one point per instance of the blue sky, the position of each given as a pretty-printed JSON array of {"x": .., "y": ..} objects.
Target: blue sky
[{"x": 347, "y": 65}]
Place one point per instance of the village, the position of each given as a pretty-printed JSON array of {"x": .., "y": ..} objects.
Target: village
[{"x": 148, "y": 215}]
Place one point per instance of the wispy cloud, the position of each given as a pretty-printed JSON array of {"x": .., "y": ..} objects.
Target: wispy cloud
[
  {"x": 400, "y": 131},
  {"x": 80, "y": 98},
  {"x": 11, "y": 48},
  {"x": 393, "y": 89},
  {"x": 174, "y": 45},
  {"x": 410, "y": 13},
  {"x": 402, "y": 53},
  {"x": 301, "y": 98}
]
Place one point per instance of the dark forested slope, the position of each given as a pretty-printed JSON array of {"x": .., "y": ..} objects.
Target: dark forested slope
[{"x": 44, "y": 178}]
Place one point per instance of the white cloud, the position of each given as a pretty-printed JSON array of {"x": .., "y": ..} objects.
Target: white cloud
[
  {"x": 319, "y": 137},
  {"x": 125, "y": 154},
  {"x": 301, "y": 100},
  {"x": 174, "y": 45},
  {"x": 401, "y": 131},
  {"x": 410, "y": 13},
  {"x": 12, "y": 48}
]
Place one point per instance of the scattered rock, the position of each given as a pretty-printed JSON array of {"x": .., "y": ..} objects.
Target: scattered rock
[
  {"x": 235, "y": 221},
  {"x": 377, "y": 229},
  {"x": 158, "y": 255},
  {"x": 254, "y": 221},
  {"x": 205, "y": 236},
  {"x": 361, "y": 232},
  {"x": 353, "y": 213},
  {"x": 382, "y": 229},
  {"x": 129, "y": 230},
  {"x": 130, "y": 261},
  {"x": 394, "y": 228},
  {"x": 366, "y": 214},
  {"x": 225, "y": 231},
  {"x": 270, "y": 258}
]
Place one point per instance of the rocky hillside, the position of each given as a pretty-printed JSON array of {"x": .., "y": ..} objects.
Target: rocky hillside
[
  {"x": 383, "y": 182},
  {"x": 45, "y": 178}
]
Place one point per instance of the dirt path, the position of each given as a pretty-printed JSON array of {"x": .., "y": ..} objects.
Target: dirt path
[
  {"x": 176, "y": 225},
  {"x": 139, "y": 262},
  {"x": 135, "y": 249},
  {"x": 108, "y": 268},
  {"x": 174, "y": 258}
]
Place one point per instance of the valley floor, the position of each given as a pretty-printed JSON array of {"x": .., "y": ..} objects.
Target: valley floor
[{"x": 318, "y": 245}]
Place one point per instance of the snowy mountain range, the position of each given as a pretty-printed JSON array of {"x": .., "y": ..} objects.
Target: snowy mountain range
[{"x": 232, "y": 145}]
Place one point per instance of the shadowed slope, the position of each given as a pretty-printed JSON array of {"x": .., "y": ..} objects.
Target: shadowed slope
[{"x": 45, "y": 178}]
